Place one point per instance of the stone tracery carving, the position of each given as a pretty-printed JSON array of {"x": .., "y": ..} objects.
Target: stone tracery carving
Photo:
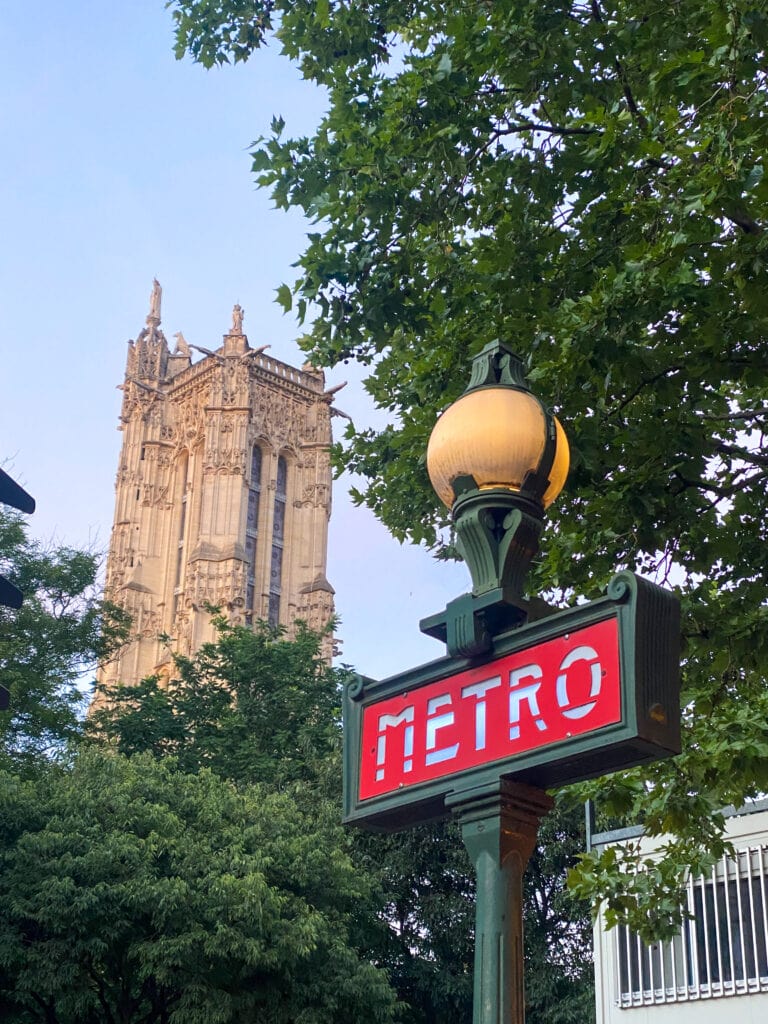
[{"x": 316, "y": 494}]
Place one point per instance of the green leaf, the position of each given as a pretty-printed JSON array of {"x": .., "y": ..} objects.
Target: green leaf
[{"x": 284, "y": 297}]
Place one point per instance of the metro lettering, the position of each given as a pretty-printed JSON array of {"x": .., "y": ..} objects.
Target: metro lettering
[
  {"x": 548, "y": 693},
  {"x": 389, "y": 721},
  {"x": 580, "y": 653},
  {"x": 524, "y": 693},
  {"x": 479, "y": 690},
  {"x": 440, "y": 722}
]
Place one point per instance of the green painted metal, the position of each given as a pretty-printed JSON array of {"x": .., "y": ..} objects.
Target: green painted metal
[
  {"x": 497, "y": 534},
  {"x": 496, "y": 364},
  {"x": 649, "y": 639},
  {"x": 497, "y": 530},
  {"x": 497, "y": 537},
  {"x": 499, "y": 824}
]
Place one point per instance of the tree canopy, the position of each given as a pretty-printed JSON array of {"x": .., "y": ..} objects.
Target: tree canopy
[
  {"x": 254, "y": 705},
  {"x": 47, "y": 647},
  {"x": 583, "y": 179},
  {"x": 134, "y": 893}
]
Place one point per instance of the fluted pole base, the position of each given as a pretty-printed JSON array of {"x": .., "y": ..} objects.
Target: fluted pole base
[{"x": 499, "y": 825}]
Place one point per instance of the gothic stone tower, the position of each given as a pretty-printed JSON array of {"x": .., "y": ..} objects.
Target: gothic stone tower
[{"x": 223, "y": 494}]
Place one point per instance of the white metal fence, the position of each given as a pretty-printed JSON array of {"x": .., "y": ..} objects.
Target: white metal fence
[{"x": 721, "y": 951}]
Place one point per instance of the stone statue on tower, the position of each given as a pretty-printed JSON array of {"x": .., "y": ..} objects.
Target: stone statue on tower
[
  {"x": 155, "y": 300},
  {"x": 237, "y": 319}
]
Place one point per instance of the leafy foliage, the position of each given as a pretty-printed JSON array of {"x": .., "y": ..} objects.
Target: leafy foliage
[
  {"x": 426, "y": 895},
  {"x": 559, "y": 974},
  {"x": 585, "y": 180},
  {"x": 133, "y": 892},
  {"x": 252, "y": 706},
  {"x": 61, "y": 631},
  {"x": 187, "y": 865}
]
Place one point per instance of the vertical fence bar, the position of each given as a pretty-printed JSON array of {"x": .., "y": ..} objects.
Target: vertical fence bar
[
  {"x": 737, "y": 882},
  {"x": 620, "y": 982},
  {"x": 716, "y": 911},
  {"x": 754, "y": 978},
  {"x": 705, "y": 927},
  {"x": 691, "y": 966},
  {"x": 639, "y": 960},
  {"x": 674, "y": 963},
  {"x": 764, "y": 966},
  {"x": 630, "y": 986},
  {"x": 726, "y": 874}
]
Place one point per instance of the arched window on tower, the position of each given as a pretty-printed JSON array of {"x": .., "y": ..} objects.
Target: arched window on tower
[
  {"x": 252, "y": 529},
  {"x": 182, "y": 470},
  {"x": 278, "y": 538}
]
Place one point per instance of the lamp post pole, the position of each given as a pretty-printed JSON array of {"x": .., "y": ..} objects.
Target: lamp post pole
[
  {"x": 499, "y": 825},
  {"x": 497, "y": 487}
]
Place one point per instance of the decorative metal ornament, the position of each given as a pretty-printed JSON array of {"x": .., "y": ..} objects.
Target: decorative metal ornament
[{"x": 498, "y": 458}]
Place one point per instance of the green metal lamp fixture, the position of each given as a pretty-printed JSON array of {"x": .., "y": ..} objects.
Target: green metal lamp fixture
[{"x": 497, "y": 458}]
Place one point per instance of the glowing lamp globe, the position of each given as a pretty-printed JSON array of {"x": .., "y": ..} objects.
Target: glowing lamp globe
[
  {"x": 497, "y": 458},
  {"x": 505, "y": 439}
]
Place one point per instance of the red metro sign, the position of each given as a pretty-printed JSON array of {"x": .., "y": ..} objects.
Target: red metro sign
[
  {"x": 550, "y": 692},
  {"x": 572, "y": 696}
]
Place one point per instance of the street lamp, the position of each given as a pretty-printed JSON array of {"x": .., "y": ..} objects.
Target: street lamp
[
  {"x": 519, "y": 705},
  {"x": 497, "y": 458}
]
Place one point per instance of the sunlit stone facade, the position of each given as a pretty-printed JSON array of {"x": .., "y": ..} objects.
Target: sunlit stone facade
[{"x": 223, "y": 494}]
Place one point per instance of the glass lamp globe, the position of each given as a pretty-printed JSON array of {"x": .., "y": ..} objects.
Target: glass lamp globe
[{"x": 502, "y": 437}]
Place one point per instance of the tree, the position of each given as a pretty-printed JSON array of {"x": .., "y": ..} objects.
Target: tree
[
  {"x": 585, "y": 180},
  {"x": 134, "y": 893},
  {"x": 62, "y": 630},
  {"x": 254, "y": 705},
  {"x": 559, "y": 971}
]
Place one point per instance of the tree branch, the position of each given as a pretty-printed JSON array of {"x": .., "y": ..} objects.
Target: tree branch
[
  {"x": 48, "y": 1009},
  {"x": 721, "y": 490},
  {"x": 551, "y": 129},
  {"x": 734, "y": 451},
  {"x": 621, "y": 72},
  {"x": 745, "y": 414},
  {"x": 644, "y": 384},
  {"x": 100, "y": 991}
]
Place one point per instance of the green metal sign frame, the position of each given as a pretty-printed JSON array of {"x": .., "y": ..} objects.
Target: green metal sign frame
[{"x": 648, "y": 620}]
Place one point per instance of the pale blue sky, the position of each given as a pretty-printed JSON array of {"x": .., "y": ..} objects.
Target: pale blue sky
[{"x": 119, "y": 163}]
